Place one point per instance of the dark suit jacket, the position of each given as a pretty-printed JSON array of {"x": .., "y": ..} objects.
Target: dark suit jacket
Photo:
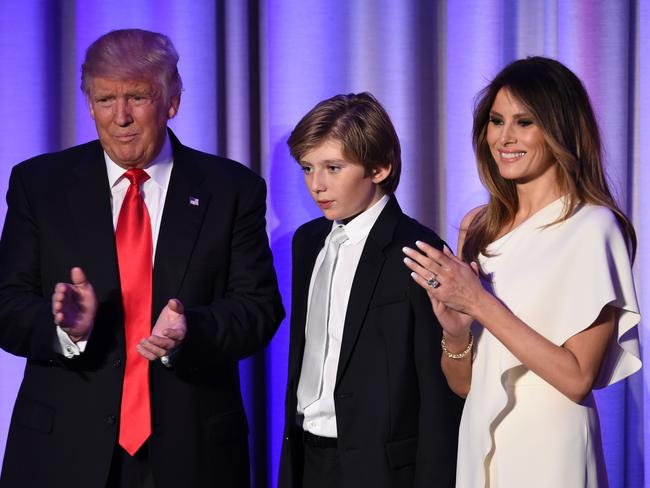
[
  {"x": 397, "y": 420},
  {"x": 213, "y": 256}
]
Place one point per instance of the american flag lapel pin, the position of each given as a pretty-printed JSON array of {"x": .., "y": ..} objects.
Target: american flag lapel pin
[{"x": 194, "y": 201}]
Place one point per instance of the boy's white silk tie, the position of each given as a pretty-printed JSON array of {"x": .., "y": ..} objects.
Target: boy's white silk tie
[{"x": 313, "y": 361}]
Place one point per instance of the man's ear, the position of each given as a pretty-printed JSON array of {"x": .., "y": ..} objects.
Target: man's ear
[
  {"x": 90, "y": 107},
  {"x": 380, "y": 173},
  {"x": 173, "y": 106}
]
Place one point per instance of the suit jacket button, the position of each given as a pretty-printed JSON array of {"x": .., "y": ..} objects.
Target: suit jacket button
[
  {"x": 117, "y": 363},
  {"x": 111, "y": 419}
]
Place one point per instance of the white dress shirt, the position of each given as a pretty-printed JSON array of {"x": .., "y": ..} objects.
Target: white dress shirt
[
  {"x": 154, "y": 192},
  {"x": 320, "y": 416}
]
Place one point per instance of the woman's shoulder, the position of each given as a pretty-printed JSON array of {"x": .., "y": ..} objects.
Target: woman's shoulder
[
  {"x": 595, "y": 218},
  {"x": 595, "y": 228},
  {"x": 469, "y": 217},
  {"x": 464, "y": 225}
]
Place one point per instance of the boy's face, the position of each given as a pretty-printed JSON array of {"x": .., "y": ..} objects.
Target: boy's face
[{"x": 339, "y": 186}]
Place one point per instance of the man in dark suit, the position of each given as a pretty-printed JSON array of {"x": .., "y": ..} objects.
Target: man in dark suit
[
  {"x": 134, "y": 273},
  {"x": 367, "y": 403}
]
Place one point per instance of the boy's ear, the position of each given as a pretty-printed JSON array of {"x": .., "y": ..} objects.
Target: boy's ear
[{"x": 380, "y": 173}]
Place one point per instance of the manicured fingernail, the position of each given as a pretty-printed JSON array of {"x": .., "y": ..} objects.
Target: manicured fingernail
[{"x": 419, "y": 243}]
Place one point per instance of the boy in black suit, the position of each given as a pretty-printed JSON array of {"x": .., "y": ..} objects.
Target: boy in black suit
[{"x": 367, "y": 403}]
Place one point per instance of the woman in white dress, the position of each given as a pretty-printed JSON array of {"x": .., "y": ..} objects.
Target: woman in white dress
[{"x": 546, "y": 310}]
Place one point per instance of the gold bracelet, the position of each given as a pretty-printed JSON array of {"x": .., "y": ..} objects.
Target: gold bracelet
[{"x": 459, "y": 355}]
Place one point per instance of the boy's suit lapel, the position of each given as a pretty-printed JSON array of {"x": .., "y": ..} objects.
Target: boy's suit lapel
[
  {"x": 305, "y": 258},
  {"x": 365, "y": 279}
]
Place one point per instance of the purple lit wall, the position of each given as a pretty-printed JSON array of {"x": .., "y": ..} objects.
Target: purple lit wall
[{"x": 252, "y": 69}]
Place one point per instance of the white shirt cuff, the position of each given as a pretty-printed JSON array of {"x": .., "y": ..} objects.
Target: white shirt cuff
[
  {"x": 170, "y": 359},
  {"x": 67, "y": 346}
]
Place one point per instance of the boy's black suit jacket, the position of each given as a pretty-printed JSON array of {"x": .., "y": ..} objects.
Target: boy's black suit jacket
[
  {"x": 212, "y": 253},
  {"x": 397, "y": 420}
]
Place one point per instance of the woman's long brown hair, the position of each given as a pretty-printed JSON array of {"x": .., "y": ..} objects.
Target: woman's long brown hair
[{"x": 560, "y": 105}]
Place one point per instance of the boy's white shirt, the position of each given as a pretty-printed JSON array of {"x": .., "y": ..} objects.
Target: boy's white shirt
[{"x": 320, "y": 416}]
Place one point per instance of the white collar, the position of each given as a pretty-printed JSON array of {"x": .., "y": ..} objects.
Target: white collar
[
  {"x": 359, "y": 227},
  {"x": 159, "y": 170}
]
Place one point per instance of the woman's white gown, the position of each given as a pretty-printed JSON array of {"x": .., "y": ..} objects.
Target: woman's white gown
[{"x": 518, "y": 431}]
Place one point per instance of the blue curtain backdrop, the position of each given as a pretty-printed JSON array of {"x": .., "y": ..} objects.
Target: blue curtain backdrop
[{"x": 251, "y": 69}]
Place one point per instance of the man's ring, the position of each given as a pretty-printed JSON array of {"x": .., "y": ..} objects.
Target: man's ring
[{"x": 433, "y": 282}]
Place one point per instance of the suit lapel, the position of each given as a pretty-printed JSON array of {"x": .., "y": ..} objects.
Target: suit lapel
[
  {"x": 89, "y": 225},
  {"x": 365, "y": 280},
  {"x": 304, "y": 261},
  {"x": 89, "y": 199},
  {"x": 183, "y": 213}
]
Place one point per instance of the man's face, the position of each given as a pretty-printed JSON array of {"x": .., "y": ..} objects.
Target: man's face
[
  {"x": 340, "y": 187},
  {"x": 131, "y": 119}
]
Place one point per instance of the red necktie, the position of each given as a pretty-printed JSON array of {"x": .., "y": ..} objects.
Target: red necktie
[{"x": 134, "y": 250}]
